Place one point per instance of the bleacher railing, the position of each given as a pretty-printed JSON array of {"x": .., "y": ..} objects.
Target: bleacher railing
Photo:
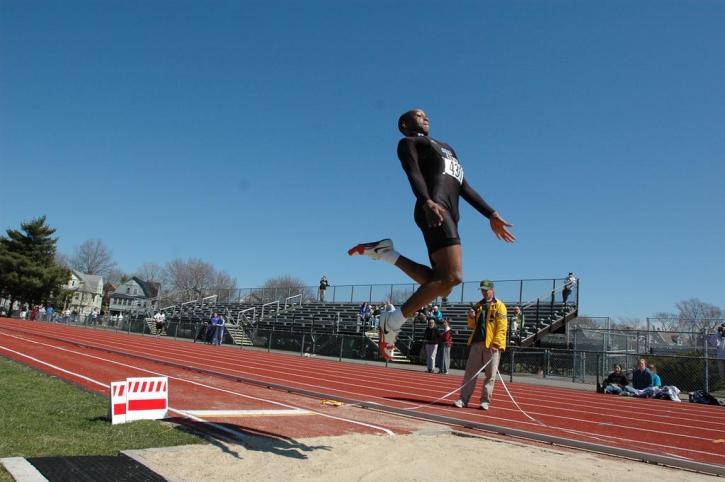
[{"x": 468, "y": 291}]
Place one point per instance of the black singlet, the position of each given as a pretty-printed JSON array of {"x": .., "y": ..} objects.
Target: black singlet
[{"x": 434, "y": 173}]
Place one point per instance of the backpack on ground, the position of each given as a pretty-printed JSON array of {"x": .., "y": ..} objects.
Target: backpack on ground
[{"x": 701, "y": 396}]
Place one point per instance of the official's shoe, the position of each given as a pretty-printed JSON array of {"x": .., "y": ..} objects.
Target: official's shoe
[
  {"x": 459, "y": 403},
  {"x": 484, "y": 405},
  {"x": 372, "y": 250},
  {"x": 386, "y": 343}
]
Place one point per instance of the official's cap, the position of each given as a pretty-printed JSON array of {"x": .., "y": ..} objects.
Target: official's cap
[{"x": 487, "y": 284}]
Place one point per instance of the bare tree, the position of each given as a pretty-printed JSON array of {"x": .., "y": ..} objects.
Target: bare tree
[
  {"x": 666, "y": 321},
  {"x": 194, "y": 279},
  {"x": 116, "y": 277},
  {"x": 629, "y": 323},
  {"x": 62, "y": 260},
  {"x": 150, "y": 271},
  {"x": 92, "y": 257},
  {"x": 279, "y": 287},
  {"x": 696, "y": 315}
]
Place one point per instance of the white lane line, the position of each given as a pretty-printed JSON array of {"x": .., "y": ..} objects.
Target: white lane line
[
  {"x": 248, "y": 413},
  {"x": 171, "y": 377}
]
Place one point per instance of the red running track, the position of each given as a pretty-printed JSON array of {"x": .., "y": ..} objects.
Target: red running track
[{"x": 682, "y": 430}]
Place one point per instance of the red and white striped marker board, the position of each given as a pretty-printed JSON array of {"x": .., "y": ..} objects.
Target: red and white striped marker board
[
  {"x": 147, "y": 398},
  {"x": 118, "y": 402}
]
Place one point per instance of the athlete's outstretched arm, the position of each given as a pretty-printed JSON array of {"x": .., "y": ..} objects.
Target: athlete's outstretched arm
[
  {"x": 498, "y": 224},
  {"x": 408, "y": 155}
]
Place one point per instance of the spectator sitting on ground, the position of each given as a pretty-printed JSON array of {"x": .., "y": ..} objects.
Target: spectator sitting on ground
[
  {"x": 656, "y": 382},
  {"x": 616, "y": 381},
  {"x": 641, "y": 379}
]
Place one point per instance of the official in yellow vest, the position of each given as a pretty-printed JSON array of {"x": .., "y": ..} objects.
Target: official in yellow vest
[{"x": 488, "y": 323}]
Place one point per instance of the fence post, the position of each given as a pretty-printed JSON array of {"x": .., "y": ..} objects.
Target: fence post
[
  {"x": 269, "y": 341},
  {"x": 333, "y": 293},
  {"x": 636, "y": 333},
  {"x": 707, "y": 370},
  {"x": 342, "y": 340},
  {"x": 370, "y": 296},
  {"x": 521, "y": 291},
  {"x": 463, "y": 290},
  {"x": 513, "y": 364},
  {"x": 553, "y": 294},
  {"x": 573, "y": 359},
  {"x": 302, "y": 348},
  {"x": 646, "y": 340}
]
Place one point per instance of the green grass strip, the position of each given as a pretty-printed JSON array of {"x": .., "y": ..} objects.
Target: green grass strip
[{"x": 41, "y": 415}]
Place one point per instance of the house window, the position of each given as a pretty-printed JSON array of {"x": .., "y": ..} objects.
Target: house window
[{"x": 128, "y": 289}]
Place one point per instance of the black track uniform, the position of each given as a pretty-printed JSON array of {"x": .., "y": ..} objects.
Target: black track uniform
[{"x": 434, "y": 173}]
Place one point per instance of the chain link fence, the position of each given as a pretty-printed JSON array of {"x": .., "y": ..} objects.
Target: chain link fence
[{"x": 588, "y": 357}]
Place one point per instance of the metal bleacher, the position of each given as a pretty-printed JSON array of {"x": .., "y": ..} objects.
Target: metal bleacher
[{"x": 244, "y": 319}]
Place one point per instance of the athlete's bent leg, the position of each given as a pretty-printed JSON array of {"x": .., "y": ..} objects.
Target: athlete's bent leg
[{"x": 447, "y": 273}]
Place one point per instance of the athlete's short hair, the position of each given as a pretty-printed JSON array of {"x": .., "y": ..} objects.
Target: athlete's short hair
[{"x": 406, "y": 116}]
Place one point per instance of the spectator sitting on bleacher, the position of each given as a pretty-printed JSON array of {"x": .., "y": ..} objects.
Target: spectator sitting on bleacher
[
  {"x": 437, "y": 314},
  {"x": 616, "y": 381},
  {"x": 421, "y": 317},
  {"x": 520, "y": 322},
  {"x": 365, "y": 314}
]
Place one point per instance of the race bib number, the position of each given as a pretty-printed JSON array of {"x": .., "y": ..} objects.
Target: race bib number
[{"x": 453, "y": 168}]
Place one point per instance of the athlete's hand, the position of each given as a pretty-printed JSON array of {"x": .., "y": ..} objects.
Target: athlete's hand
[
  {"x": 433, "y": 213},
  {"x": 499, "y": 225}
]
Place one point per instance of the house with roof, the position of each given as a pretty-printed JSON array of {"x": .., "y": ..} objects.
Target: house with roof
[
  {"x": 134, "y": 296},
  {"x": 87, "y": 292}
]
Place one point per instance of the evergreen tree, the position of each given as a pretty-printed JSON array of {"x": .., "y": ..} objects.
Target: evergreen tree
[{"x": 28, "y": 271}]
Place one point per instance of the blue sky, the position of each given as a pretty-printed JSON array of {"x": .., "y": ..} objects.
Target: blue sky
[{"x": 260, "y": 136}]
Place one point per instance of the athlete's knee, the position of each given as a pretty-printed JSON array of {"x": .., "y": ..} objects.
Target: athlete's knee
[{"x": 451, "y": 280}]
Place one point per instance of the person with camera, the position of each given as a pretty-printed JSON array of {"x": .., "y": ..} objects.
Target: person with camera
[
  {"x": 718, "y": 340},
  {"x": 489, "y": 322}
]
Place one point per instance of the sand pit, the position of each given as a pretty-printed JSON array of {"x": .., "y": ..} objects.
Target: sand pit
[{"x": 434, "y": 457}]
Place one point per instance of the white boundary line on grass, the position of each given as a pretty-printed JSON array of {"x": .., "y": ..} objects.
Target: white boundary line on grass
[{"x": 355, "y": 422}]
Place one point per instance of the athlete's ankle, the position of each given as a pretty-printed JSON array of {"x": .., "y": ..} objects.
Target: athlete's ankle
[
  {"x": 390, "y": 256},
  {"x": 396, "y": 320}
]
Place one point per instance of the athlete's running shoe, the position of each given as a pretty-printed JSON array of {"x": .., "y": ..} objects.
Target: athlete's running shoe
[
  {"x": 373, "y": 250},
  {"x": 386, "y": 343}
]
